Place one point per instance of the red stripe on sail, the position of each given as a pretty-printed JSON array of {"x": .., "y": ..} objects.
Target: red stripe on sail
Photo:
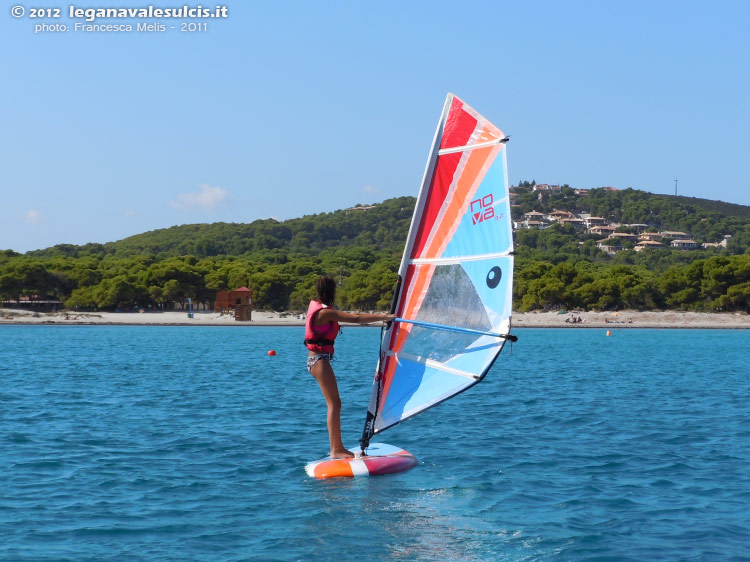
[{"x": 459, "y": 127}]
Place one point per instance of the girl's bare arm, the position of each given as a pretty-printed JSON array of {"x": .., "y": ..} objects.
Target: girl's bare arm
[{"x": 329, "y": 314}]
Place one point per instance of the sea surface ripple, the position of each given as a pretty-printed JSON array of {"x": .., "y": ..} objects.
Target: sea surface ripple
[{"x": 188, "y": 443}]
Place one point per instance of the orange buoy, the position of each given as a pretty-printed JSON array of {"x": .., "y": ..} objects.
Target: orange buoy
[
  {"x": 609, "y": 333},
  {"x": 272, "y": 352}
]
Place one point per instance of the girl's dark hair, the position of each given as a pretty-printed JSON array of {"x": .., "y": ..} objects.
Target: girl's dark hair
[{"x": 325, "y": 288}]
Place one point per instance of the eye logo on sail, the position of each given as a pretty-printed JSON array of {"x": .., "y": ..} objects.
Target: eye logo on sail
[
  {"x": 482, "y": 209},
  {"x": 494, "y": 276}
]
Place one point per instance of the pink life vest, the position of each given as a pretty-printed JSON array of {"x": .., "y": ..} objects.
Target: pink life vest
[{"x": 319, "y": 338}]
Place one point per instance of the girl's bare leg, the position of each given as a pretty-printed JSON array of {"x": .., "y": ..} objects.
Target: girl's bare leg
[{"x": 323, "y": 373}]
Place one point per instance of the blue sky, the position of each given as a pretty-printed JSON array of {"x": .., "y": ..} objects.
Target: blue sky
[{"x": 297, "y": 107}]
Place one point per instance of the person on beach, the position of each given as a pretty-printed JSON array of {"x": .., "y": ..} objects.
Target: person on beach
[{"x": 321, "y": 329}]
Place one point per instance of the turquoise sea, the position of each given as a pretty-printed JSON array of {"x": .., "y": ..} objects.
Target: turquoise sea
[{"x": 188, "y": 443}]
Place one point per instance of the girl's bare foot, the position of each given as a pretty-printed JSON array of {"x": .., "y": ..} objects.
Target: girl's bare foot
[{"x": 342, "y": 454}]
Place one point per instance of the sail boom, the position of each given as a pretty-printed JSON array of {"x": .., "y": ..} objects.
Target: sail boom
[
  {"x": 470, "y": 147},
  {"x": 459, "y": 259},
  {"x": 434, "y": 364},
  {"x": 449, "y": 328}
]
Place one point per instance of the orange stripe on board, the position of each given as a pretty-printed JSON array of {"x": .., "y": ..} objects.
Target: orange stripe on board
[{"x": 333, "y": 469}]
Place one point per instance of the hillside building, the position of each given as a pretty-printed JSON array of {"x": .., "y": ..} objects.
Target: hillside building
[
  {"x": 557, "y": 216},
  {"x": 624, "y": 236},
  {"x": 534, "y": 216},
  {"x": 546, "y": 187},
  {"x": 609, "y": 245},
  {"x": 594, "y": 221},
  {"x": 647, "y": 245},
  {"x": 603, "y": 230},
  {"x": 578, "y": 223},
  {"x": 684, "y": 244},
  {"x": 674, "y": 235},
  {"x": 637, "y": 227},
  {"x": 650, "y": 237},
  {"x": 530, "y": 224}
]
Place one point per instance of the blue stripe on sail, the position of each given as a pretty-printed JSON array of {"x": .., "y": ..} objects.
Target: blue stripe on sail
[
  {"x": 495, "y": 297},
  {"x": 477, "y": 235},
  {"x": 417, "y": 385},
  {"x": 478, "y": 358},
  {"x": 449, "y": 328}
]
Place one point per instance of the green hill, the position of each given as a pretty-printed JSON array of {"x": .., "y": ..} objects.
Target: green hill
[
  {"x": 377, "y": 227},
  {"x": 384, "y": 226},
  {"x": 559, "y": 266},
  {"x": 702, "y": 219},
  {"x": 721, "y": 207}
]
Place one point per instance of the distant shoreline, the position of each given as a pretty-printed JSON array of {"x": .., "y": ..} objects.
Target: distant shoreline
[{"x": 601, "y": 320}]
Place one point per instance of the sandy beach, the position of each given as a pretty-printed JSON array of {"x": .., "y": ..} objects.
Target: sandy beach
[{"x": 608, "y": 320}]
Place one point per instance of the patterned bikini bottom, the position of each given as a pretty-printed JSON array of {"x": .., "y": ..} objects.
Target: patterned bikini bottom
[{"x": 312, "y": 359}]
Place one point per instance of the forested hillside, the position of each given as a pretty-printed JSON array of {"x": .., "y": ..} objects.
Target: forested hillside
[
  {"x": 378, "y": 227},
  {"x": 278, "y": 260},
  {"x": 559, "y": 266}
]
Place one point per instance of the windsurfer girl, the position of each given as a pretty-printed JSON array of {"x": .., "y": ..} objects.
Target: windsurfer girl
[{"x": 321, "y": 329}]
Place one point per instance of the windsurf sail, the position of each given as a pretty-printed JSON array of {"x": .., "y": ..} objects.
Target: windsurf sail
[{"x": 453, "y": 299}]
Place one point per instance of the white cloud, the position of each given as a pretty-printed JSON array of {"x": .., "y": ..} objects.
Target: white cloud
[
  {"x": 369, "y": 189},
  {"x": 209, "y": 196},
  {"x": 32, "y": 216}
]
